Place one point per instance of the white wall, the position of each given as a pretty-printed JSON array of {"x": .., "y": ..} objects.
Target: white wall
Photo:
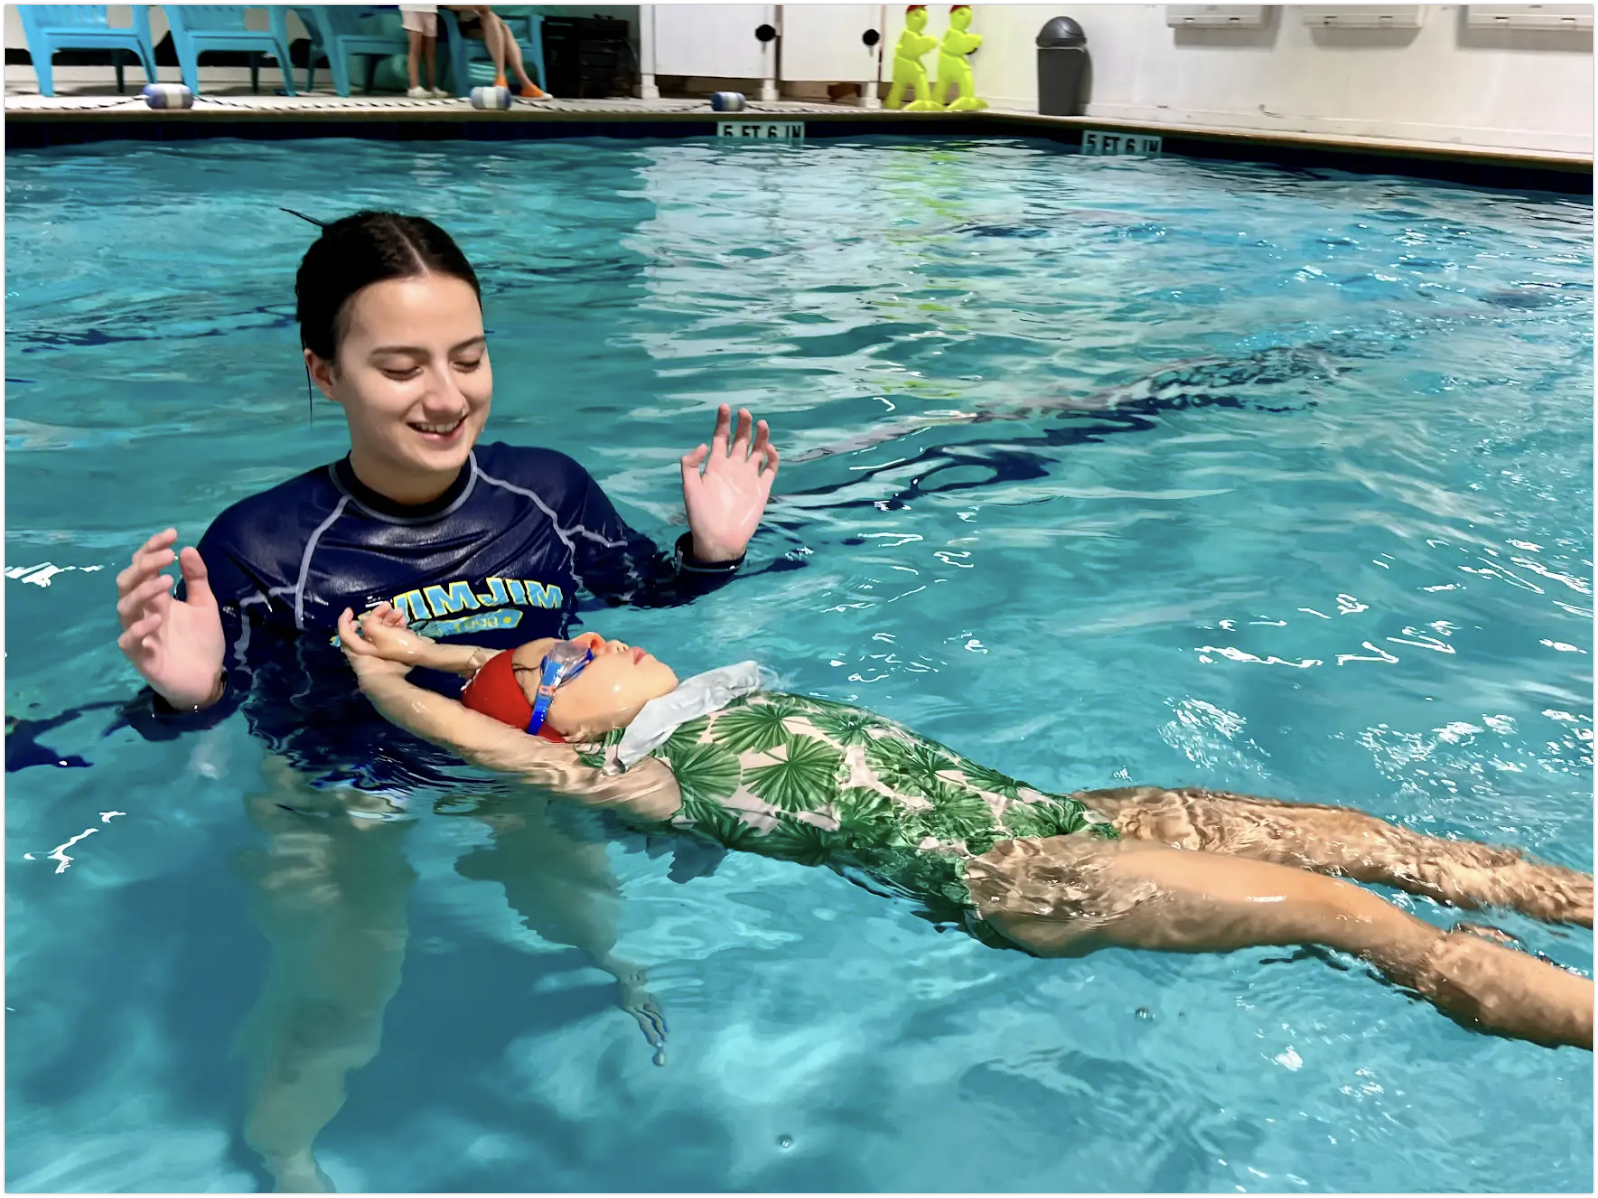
[{"x": 1441, "y": 83}]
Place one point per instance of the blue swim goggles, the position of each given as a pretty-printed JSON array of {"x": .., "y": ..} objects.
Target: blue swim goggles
[{"x": 564, "y": 661}]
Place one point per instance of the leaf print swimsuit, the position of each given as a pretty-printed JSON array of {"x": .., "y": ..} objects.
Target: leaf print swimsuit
[{"x": 824, "y": 783}]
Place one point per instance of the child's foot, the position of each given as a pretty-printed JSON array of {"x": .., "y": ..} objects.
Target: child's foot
[
  {"x": 499, "y": 81},
  {"x": 419, "y": 93},
  {"x": 531, "y": 91},
  {"x": 440, "y": 94}
]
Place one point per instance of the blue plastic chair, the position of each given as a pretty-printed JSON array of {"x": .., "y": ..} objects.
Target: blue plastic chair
[
  {"x": 340, "y": 32},
  {"x": 53, "y": 27},
  {"x": 526, "y": 26},
  {"x": 199, "y": 28}
]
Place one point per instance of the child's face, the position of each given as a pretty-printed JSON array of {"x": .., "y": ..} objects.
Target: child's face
[{"x": 608, "y": 694}]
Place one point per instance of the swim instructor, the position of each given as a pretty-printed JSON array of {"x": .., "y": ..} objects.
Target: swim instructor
[
  {"x": 477, "y": 543},
  {"x": 487, "y": 543}
]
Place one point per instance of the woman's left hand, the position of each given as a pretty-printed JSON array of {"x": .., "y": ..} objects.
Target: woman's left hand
[{"x": 726, "y": 501}]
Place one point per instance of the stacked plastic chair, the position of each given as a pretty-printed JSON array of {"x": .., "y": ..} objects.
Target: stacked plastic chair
[
  {"x": 50, "y": 28},
  {"x": 198, "y": 28},
  {"x": 341, "y": 32}
]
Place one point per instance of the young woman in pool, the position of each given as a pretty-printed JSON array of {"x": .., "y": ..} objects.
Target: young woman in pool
[
  {"x": 1054, "y": 875},
  {"x": 489, "y": 542},
  {"x": 485, "y": 543}
]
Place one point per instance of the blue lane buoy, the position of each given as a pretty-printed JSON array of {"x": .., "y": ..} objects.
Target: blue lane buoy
[
  {"x": 496, "y": 98},
  {"x": 728, "y": 101},
  {"x": 168, "y": 95}
]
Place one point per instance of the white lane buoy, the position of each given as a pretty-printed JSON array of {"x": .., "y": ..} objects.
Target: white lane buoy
[
  {"x": 491, "y": 97},
  {"x": 168, "y": 95},
  {"x": 727, "y": 101}
]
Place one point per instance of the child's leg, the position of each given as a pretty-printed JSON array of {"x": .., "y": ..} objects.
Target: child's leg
[
  {"x": 1068, "y": 895},
  {"x": 413, "y": 56},
  {"x": 1340, "y": 840},
  {"x": 432, "y": 63},
  {"x": 565, "y": 891}
]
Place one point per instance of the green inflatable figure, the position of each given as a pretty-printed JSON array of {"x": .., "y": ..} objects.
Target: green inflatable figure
[
  {"x": 952, "y": 66},
  {"x": 908, "y": 73}
]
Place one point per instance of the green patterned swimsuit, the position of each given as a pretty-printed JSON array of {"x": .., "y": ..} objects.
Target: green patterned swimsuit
[{"x": 823, "y": 783}]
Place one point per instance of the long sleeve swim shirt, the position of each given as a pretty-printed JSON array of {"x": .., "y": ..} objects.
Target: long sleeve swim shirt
[{"x": 499, "y": 559}]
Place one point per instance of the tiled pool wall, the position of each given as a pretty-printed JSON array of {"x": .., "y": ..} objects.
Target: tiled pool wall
[{"x": 59, "y": 127}]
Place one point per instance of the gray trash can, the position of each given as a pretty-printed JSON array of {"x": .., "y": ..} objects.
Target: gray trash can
[{"x": 1062, "y": 68}]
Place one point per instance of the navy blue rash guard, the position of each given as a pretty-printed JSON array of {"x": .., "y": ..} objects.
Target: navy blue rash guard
[{"x": 497, "y": 560}]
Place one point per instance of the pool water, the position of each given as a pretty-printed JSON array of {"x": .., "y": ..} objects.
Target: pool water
[{"x": 1097, "y": 470}]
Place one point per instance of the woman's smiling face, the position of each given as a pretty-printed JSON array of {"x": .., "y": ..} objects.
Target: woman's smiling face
[{"x": 413, "y": 377}]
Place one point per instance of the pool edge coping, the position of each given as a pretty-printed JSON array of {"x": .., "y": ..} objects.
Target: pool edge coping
[{"x": 1517, "y": 169}]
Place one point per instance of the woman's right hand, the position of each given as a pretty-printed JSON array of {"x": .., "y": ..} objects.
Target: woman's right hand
[{"x": 177, "y": 646}]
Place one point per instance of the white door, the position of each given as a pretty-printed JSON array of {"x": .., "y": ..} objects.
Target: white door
[
  {"x": 828, "y": 43},
  {"x": 713, "y": 41}
]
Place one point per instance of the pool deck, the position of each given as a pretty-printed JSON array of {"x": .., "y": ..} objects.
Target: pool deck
[{"x": 32, "y": 119}]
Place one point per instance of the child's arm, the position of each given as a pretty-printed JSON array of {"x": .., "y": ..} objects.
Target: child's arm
[
  {"x": 384, "y": 629},
  {"x": 477, "y": 738},
  {"x": 647, "y": 790},
  {"x": 464, "y": 660}
]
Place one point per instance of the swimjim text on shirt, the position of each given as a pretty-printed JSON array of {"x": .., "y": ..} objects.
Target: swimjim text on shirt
[{"x": 431, "y": 611}]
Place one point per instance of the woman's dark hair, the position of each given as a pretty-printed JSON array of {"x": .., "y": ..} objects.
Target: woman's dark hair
[{"x": 357, "y": 251}]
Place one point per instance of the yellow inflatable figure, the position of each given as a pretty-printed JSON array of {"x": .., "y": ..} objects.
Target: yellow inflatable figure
[
  {"x": 908, "y": 73},
  {"x": 952, "y": 66}
]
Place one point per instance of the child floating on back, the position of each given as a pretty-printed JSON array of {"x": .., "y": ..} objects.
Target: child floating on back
[{"x": 1055, "y": 875}]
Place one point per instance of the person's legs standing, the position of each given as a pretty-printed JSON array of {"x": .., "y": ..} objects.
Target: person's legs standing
[
  {"x": 420, "y": 22},
  {"x": 413, "y": 57},
  {"x": 328, "y": 892}
]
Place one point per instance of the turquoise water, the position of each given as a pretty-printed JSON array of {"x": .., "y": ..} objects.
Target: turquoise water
[{"x": 1284, "y": 485}]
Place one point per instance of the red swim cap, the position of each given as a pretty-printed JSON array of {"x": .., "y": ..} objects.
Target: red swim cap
[{"x": 495, "y": 692}]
